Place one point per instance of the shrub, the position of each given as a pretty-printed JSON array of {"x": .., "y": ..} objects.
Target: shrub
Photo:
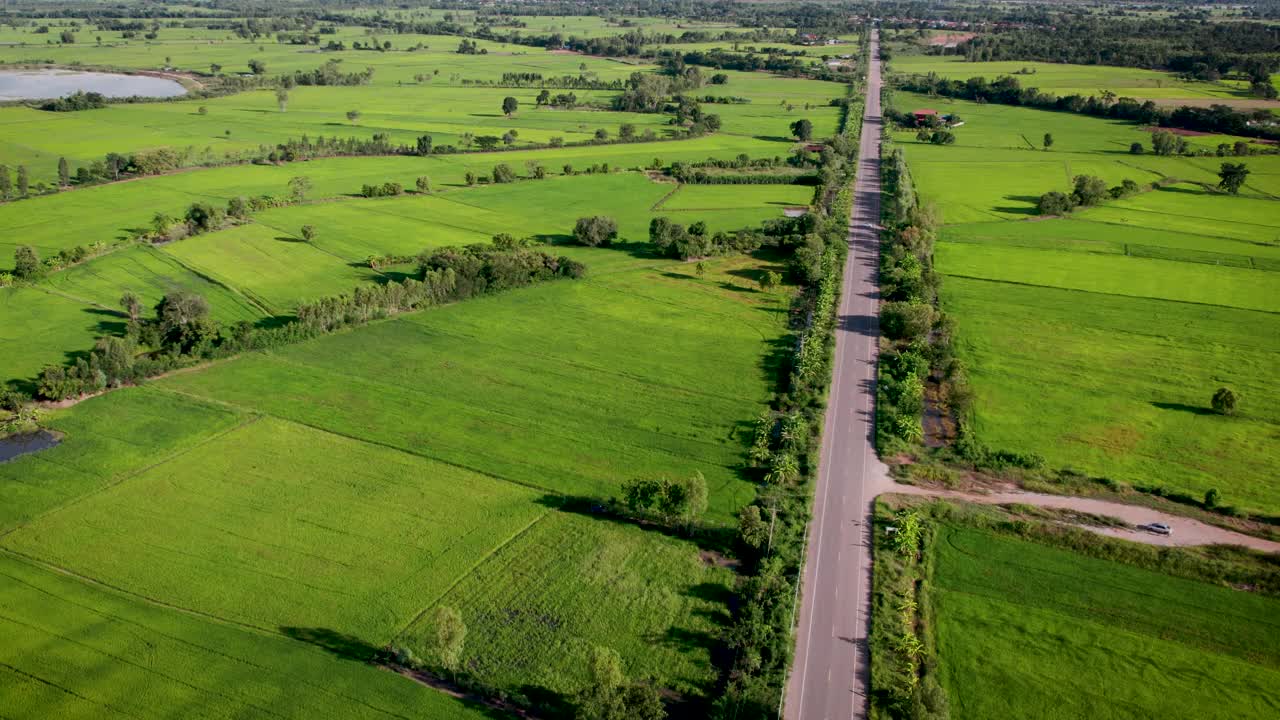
[
  {"x": 903, "y": 320},
  {"x": 1224, "y": 401},
  {"x": 595, "y": 231},
  {"x": 1054, "y": 203}
]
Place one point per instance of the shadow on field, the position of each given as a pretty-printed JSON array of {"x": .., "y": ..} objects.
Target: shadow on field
[
  {"x": 1028, "y": 209},
  {"x": 347, "y": 647},
  {"x": 708, "y": 538},
  {"x": 774, "y": 138},
  {"x": 1193, "y": 409},
  {"x": 110, "y": 322},
  {"x": 288, "y": 239}
]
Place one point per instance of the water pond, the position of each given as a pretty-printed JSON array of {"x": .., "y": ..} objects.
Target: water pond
[
  {"x": 48, "y": 83},
  {"x": 27, "y": 442}
]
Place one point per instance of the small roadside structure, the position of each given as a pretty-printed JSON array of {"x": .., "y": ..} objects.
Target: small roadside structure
[{"x": 922, "y": 116}]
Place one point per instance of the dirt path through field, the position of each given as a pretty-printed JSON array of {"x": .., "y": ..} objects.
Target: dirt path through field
[{"x": 1185, "y": 530}]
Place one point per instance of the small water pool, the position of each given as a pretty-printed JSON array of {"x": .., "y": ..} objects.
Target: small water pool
[{"x": 46, "y": 83}]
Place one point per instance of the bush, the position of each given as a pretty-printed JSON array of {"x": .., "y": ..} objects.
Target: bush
[
  {"x": 905, "y": 320},
  {"x": 502, "y": 173},
  {"x": 1054, "y": 203},
  {"x": 1224, "y": 401},
  {"x": 595, "y": 231}
]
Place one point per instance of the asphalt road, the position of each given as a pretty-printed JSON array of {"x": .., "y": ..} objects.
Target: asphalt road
[{"x": 830, "y": 674}]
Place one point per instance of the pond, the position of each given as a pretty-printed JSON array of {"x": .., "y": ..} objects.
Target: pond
[
  {"x": 27, "y": 442},
  {"x": 49, "y": 83}
]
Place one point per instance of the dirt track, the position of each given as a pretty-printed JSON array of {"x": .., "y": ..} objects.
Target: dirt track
[{"x": 1185, "y": 530}]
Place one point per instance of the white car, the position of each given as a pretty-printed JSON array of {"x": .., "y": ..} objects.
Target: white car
[{"x": 1158, "y": 528}]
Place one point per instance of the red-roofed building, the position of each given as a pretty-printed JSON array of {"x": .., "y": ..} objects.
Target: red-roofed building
[{"x": 921, "y": 114}]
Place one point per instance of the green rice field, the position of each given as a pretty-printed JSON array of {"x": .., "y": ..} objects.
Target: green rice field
[
  {"x": 1029, "y": 631},
  {"x": 1097, "y": 340},
  {"x": 244, "y": 537}
]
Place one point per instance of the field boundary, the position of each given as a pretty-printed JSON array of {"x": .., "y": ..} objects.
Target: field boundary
[
  {"x": 663, "y": 200},
  {"x": 129, "y": 475},
  {"x": 248, "y": 297},
  {"x": 464, "y": 575},
  {"x": 1095, "y": 292}
]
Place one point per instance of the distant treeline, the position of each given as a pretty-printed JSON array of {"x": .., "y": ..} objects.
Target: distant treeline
[
  {"x": 1008, "y": 90},
  {"x": 1205, "y": 50}
]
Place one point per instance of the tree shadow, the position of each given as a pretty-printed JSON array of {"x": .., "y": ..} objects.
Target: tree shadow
[
  {"x": 110, "y": 322},
  {"x": 1193, "y": 409},
  {"x": 1028, "y": 209},
  {"x": 347, "y": 647},
  {"x": 547, "y": 703},
  {"x": 289, "y": 239},
  {"x": 774, "y": 138},
  {"x": 712, "y": 538}
]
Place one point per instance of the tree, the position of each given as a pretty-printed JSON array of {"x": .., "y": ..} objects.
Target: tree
[
  {"x": 1164, "y": 142},
  {"x": 1224, "y": 401},
  {"x": 906, "y": 320},
  {"x": 510, "y": 105},
  {"x": 942, "y": 137},
  {"x": 470, "y": 178},
  {"x": 424, "y": 145},
  {"x": 1212, "y": 497},
  {"x": 1054, "y": 203},
  {"x": 64, "y": 172},
  {"x": 299, "y": 187},
  {"x": 26, "y": 262},
  {"x": 448, "y": 633},
  {"x": 308, "y": 233},
  {"x": 1089, "y": 190},
  {"x": 131, "y": 305},
  {"x": 509, "y": 138},
  {"x": 282, "y": 98},
  {"x": 626, "y": 131},
  {"x": 1135, "y": 148},
  {"x": 602, "y": 134},
  {"x": 24, "y": 182},
  {"x": 1048, "y": 141},
  {"x": 257, "y": 67},
  {"x": 770, "y": 280},
  {"x": 353, "y": 115},
  {"x": 752, "y": 529},
  {"x": 67, "y": 37},
  {"x": 609, "y": 696},
  {"x": 802, "y": 130},
  {"x": 595, "y": 231},
  {"x": 6, "y": 182},
  {"x": 488, "y": 142},
  {"x": 711, "y": 122},
  {"x": 502, "y": 173},
  {"x": 543, "y": 98},
  {"x": 424, "y": 184},
  {"x": 214, "y": 68},
  {"x": 238, "y": 207},
  {"x": 1232, "y": 176}
]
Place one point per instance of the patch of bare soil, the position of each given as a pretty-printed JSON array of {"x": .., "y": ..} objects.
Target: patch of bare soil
[
  {"x": 711, "y": 557},
  {"x": 951, "y": 38},
  {"x": 1176, "y": 131}
]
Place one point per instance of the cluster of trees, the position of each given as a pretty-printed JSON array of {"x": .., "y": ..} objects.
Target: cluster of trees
[
  {"x": 27, "y": 264},
  {"x": 181, "y": 332},
  {"x": 908, "y": 315},
  {"x": 674, "y": 503},
  {"x": 677, "y": 241},
  {"x": 78, "y": 100},
  {"x": 329, "y": 73},
  {"x": 386, "y": 189},
  {"x": 595, "y": 231},
  {"x": 1087, "y": 190},
  {"x": 1008, "y": 90}
]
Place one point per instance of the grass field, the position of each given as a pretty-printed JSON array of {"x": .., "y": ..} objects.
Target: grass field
[
  {"x": 238, "y": 539},
  {"x": 530, "y": 631},
  {"x": 1029, "y": 631},
  {"x": 1063, "y": 79},
  {"x": 534, "y": 383},
  {"x": 74, "y": 650},
  {"x": 1098, "y": 340}
]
